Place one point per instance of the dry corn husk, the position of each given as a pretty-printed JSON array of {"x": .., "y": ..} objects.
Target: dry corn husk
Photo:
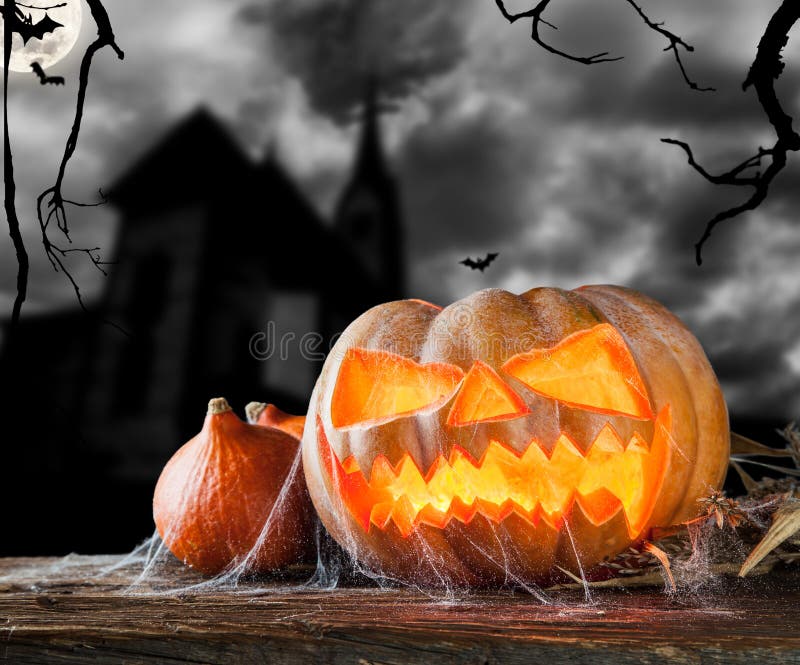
[{"x": 785, "y": 525}]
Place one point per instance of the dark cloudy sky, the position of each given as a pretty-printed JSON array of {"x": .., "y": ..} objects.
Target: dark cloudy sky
[{"x": 499, "y": 146}]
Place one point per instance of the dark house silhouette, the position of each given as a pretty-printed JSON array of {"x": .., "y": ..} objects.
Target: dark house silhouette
[{"x": 225, "y": 272}]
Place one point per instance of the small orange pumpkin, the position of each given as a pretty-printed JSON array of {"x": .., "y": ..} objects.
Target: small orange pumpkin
[
  {"x": 270, "y": 415},
  {"x": 508, "y": 434},
  {"x": 221, "y": 497}
]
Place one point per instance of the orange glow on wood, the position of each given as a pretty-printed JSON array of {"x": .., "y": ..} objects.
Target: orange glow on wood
[
  {"x": 485, "y": 397},
  {"x": 374, "y": 387},
  {"x": 591, "y": 369},
  {"x": 609, "y": 477}
]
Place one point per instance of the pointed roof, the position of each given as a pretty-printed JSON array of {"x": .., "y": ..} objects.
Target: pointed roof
[
  {"x": 370, "y": 160},
  {"x": 194, "y": 160},
  {"x": 372, "y": 181},
  {"x": 370, "y": 167}
]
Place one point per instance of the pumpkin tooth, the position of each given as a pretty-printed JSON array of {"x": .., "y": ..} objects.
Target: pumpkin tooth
[
  {"x": 608, "y": 477},
  {"x": 599, "y": 506}
]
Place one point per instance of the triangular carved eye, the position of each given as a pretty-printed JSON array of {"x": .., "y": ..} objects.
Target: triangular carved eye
[
  {"x": 485, "y": 397},
  {"x": 374, "y": 387},
  {"x": 591, "y": 369}
]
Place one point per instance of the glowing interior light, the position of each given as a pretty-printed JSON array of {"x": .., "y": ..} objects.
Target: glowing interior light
[
  {"x": 608, "y": 478},
  {"x": 591, "y": 369},
  {"x": 374, "y": 387},
  {"x": 485, "y": 397}
]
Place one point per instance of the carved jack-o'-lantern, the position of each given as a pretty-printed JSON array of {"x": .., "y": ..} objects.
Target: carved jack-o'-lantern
[{"x": 505, "y": 435}]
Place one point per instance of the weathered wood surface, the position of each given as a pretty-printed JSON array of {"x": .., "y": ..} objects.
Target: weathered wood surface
[{"x": 62, "y": 611}]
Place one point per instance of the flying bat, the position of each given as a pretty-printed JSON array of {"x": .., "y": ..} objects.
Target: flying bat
[
  {"x": 25, "y": 27},
  {"x": 44, "y": 78},
  {"x": 479, "y": 264}
]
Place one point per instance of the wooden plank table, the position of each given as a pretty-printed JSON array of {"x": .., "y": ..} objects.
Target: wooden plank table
[{"x": 65, "y": 611}]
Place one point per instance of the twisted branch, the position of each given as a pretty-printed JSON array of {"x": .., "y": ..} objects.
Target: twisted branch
[
  {"x": 765, "y": 70},
  {"x": 52, "y": 199},
  {"x": 676, "y": 43},
  {"x": 535, "y": 15},
  {"x": 51, "y": 204},
  {"x": 23, "y": 262}
]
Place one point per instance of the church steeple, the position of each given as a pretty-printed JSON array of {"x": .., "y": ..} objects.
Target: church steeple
[
  {"x": 370, "y": 159},
  {"x": 368, "y": 214}
]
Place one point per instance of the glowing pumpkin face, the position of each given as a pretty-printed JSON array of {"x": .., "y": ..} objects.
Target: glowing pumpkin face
[{"x": 506, "y": 434}]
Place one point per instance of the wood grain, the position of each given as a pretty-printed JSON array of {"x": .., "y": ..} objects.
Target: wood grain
[{"x": 66, "y": 611}]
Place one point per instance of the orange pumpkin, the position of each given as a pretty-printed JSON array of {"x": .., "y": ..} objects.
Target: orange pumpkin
[
  {"x": 509, "y": 434},
  {"x": 270, "y": 415},
  {"x": 223, "y": 497}
]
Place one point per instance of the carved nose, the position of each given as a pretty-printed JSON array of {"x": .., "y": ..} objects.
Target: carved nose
[{"x": 485, "y": 397}]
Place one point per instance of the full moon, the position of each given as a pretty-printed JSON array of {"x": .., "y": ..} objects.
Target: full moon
[{"x": 53, "y": 46}]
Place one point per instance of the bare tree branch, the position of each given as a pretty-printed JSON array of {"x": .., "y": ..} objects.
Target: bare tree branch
[
  {"x": 675, "y": 45},
  {"x": 8, "y": 177},
  {"x": 52, "y": 198},
  {"x": 51, "y": 203},
  {"x": 765, "y": 70},
  {"x": 535, "y": 14},
  {"x": 729, "y": 177}
]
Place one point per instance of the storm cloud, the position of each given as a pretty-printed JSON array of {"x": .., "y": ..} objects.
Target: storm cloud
[{"x": 332, "y": 46}]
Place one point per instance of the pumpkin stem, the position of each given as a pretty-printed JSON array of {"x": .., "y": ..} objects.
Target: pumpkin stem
[
  {"x": 218, "y": 405},
  {"x": 254, "y": 410}
]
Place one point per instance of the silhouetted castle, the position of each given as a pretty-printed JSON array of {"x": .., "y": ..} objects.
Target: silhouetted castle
[{"x": 211, "y": 249}]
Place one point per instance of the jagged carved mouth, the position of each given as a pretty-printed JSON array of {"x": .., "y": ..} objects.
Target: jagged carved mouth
[{"x": 611, "y": 476}]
